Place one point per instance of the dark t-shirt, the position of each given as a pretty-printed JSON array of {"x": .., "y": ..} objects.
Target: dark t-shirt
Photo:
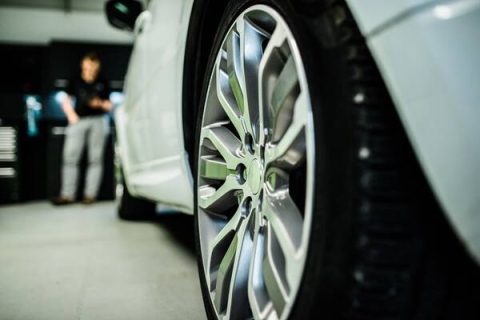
[{"x": 84, "y": 92}]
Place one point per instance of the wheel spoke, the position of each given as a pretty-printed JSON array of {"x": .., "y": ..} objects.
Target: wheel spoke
[
  {"x": 276, "y": 41},
  {"x": 221, "y": 199},
  {"x": 226, "y": 95},
  {"x": 286, "y": 223},
  {"x": 220, "y": 244},
  {"x": 277, "y": 179},
  {"x": 226, "y": 143},
  {"x": 284, "y": 94},
  {"x": 252, "y": 50},
  {"x": 234, "y": 69},
  {"x": 213, "y": 167},
  {"x": 224, "y": 277},
  {"x": 258, "y": 297},
  {"x": 239, "y": 284},
  {"x": 289, "y": 151},
  {"x": 226, "y": 229},
  {"x": 270, "y": 65},
  {"x": 274, "y": 272},
  {"x": 230, "y": 296},
  {"x": 285, "y": 219}
]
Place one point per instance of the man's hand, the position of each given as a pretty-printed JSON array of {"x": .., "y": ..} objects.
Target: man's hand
[
  {"x": 96, "y": 103},
  {"x": 107, "y": 105}
]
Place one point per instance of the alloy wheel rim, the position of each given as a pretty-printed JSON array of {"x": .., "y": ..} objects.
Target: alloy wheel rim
[{"x": 255, "y": 170}]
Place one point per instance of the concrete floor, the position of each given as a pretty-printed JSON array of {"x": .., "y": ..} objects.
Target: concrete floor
[{"x": 81, "y": 262}]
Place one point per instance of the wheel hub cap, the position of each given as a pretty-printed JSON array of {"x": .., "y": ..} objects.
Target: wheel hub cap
[{"x": 255, "y": 176}]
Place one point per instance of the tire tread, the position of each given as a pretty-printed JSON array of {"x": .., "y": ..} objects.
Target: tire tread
[{"x": 387, "y": 241}]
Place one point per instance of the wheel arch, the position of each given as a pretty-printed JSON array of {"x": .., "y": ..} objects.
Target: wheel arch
[
  {"x": 428, "y": 76},
  {"x": 204, "y": 22}
]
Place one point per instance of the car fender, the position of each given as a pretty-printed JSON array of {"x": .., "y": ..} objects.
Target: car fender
[{"x": 428, "y": 55}]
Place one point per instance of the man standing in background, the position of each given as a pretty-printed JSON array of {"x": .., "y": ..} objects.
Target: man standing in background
[{"x": 86, "y": 125}]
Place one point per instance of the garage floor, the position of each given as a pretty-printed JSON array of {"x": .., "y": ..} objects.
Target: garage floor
[{"x": 81, "y": 262}]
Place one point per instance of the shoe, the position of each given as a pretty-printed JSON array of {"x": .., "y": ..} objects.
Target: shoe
[
  {"x": 88, "y": 200},
  {"x": 62, "y": 200}
]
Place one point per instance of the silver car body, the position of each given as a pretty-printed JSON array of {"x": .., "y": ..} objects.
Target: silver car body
[{"x": 427, "y": 52}]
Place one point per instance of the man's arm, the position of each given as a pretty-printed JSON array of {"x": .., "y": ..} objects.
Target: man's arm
[{"x": 67, "y": 107}]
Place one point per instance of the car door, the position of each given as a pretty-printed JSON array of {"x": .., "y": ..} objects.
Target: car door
[
  {"x": 132, "y": 117},
  {"x": 153, "y": 123}
]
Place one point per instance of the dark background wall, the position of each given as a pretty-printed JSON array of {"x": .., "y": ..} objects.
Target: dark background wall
[
  {"x": 23, "y": 68},
  {"x": 42, "y": 70},
  {"x": 64, "y": 62}
]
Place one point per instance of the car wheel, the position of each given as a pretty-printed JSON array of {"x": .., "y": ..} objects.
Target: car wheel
[
  {"x": 309, "y": 201},
  {"x": 132, "y": 208},
  {"x": 129, "y": 207}
]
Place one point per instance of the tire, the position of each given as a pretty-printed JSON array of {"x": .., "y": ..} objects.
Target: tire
[
  {"x": 132, "y": 208},
  {"x": 129, "y": 207},
  {"x": 340, "y": 223}
]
